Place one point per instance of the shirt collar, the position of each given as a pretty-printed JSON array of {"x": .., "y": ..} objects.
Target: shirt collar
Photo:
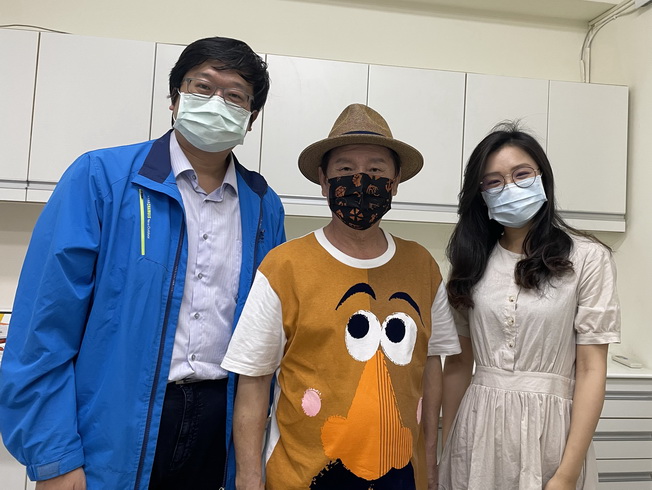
[{"x": 181, "y": 164}]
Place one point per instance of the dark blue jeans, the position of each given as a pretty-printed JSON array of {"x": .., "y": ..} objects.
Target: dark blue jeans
[{"x": 191, "y": 444}]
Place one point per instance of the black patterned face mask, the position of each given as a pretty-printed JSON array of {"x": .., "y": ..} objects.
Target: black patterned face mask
[{"x": 360, "y": 200}]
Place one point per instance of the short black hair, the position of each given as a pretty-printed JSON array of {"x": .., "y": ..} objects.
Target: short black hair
[{"x": 233, "y": 55}]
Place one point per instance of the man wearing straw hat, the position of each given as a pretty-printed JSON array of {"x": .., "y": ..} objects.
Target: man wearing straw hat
[{"x": 353, "y": 321}]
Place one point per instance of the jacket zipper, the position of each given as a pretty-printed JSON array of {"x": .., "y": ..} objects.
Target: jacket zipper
[
  {"x": 259, "y": 237},
  {"x": 157, "y": 373}
]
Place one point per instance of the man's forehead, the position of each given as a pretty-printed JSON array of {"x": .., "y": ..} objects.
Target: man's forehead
[
  {"x": 369, "y": 150},
  {"x": 215, "y": 69}
]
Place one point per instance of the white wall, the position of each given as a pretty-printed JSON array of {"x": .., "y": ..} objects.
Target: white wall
[
  {"x": 16, "y": 223},
  {"x": 319, "y": 30},
  {"x": 621, "y": 53}
]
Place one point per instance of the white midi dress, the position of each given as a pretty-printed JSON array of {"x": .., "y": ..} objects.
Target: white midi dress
[{"x": 511, "y": 426}]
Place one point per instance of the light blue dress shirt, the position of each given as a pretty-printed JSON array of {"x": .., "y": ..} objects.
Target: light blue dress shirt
[{"x": 214, "y": 257}]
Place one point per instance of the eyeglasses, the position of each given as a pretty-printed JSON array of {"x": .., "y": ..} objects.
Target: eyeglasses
[
  {"x": 522, "y": 176},
  {"x": 205, "y": 89}
]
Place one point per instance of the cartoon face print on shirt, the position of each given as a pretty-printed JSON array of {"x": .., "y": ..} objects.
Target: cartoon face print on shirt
[{"x": 370, "y": 443}]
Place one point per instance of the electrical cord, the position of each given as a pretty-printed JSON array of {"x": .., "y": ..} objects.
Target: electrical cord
[
  {"x": 595, "y": 25},
  {"x": 33, "y": 27}
]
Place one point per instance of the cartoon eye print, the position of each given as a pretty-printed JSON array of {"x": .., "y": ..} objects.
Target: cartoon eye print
[
  {"x": 399, "y": 334},
  {"x": 363, "y": 335}
]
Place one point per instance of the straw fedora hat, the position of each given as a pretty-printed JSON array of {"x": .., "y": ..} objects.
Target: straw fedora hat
[{"x": 359, "y": 124}]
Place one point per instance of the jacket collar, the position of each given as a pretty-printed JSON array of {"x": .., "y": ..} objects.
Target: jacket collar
[{"x": 158, "y": 167}]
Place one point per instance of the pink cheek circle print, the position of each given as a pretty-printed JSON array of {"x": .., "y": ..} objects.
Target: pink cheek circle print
[{"x": 311, "y": 402}]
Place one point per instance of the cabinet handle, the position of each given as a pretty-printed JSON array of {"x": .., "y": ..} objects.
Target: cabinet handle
[
  {"x": 628, "y": 395},
  {"x": 622, "y": 436},
  {"x": 624, "y": 477}
]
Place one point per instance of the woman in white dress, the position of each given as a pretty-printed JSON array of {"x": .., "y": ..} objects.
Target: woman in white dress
[{"x": 536, "y": 307}]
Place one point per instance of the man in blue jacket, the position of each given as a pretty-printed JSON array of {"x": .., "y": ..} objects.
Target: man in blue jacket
[{"x": 136, "y": 273}]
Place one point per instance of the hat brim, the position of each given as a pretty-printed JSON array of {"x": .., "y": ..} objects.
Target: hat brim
[{"x": 310, "y": 159}]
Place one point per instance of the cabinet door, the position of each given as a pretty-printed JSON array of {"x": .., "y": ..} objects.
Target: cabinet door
[
  {"x": 305, "y": 98},
  {"x": 587, "y": 146},
  {"x": 18, "y": 51},
  {"x": 166, "y": 56},
  {"x": 90, "y": 93},
  {"x": 494, "y": 99},
  {"x": 424, "y": 108}
]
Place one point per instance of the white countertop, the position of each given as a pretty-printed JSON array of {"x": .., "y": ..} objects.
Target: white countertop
[{"x": 616, "y": 370}]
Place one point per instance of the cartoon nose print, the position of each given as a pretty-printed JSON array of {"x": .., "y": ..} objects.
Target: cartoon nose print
[{"x": 371, "y": 439}]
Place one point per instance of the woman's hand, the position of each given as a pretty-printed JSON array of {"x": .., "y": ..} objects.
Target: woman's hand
[
  {"x": 559, "y": 482},
  {"x": 433, "y": 478}
]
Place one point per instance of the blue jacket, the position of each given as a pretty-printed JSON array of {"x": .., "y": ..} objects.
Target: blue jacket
[{"x": 86, "y": 362}]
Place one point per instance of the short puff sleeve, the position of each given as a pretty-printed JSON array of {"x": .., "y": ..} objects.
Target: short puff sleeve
[{"x": 597, "y": 320}]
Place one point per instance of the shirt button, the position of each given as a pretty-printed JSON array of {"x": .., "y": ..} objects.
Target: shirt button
[
  {"x": 205, "y": 236},
  {"x": 193, "y": 357},
  {"x": 511, "y": 299},
  {"x": 200, "y": 275},
  {"x": 510, "y": 321},
  {"x": 196, "y": 315},
  {"x": 511, "y": 344}
]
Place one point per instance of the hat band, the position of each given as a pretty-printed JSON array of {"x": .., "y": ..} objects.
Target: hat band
[{"x": 362, "y": 132}]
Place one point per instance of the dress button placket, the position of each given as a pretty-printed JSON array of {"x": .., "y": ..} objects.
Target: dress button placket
[{"x": 510, "y": 321}]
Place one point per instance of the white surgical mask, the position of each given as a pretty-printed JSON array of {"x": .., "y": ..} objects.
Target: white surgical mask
[
  {"x": 515, "y": 206},
  {"x": 211, "y": 124}
]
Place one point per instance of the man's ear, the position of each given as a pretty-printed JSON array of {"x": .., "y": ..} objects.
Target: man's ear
[
  {"x": 397, "y": 180},
  {"x": 254, "y": 116},
  {"x": 323, "y": 182},
  {"x": 173, "y": 101}
]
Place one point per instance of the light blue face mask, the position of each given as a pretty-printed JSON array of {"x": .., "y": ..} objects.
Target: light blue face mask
[
  {"x": 515, "y": 206},
  {"x": 211, "y": 124}
]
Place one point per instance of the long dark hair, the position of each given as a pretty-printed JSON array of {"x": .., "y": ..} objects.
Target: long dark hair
[{"x": 547, "y": 245}]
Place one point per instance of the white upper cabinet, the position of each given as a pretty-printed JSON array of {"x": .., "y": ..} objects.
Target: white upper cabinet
[
  {"x": 68, "y": 94},
  {"x": 587, "y": 146},
  {"x": 167, "y": 55},
  {"x": 18, "y": 51},
  {"x": 424, "y": 108},
  {"x": 305, "y": 99},
  {"x": 494, "y": 99},
  {"x": 90, "y": 93}
]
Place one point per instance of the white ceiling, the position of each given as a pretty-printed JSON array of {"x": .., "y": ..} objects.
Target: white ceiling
[{"x": 561, "y": 12}]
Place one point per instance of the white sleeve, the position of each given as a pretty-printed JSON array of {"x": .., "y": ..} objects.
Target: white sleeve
[
  {"x": 256, "y": 347},
  {"x": 597, "y": 318},
  {"x": 443, "y": 338}
]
